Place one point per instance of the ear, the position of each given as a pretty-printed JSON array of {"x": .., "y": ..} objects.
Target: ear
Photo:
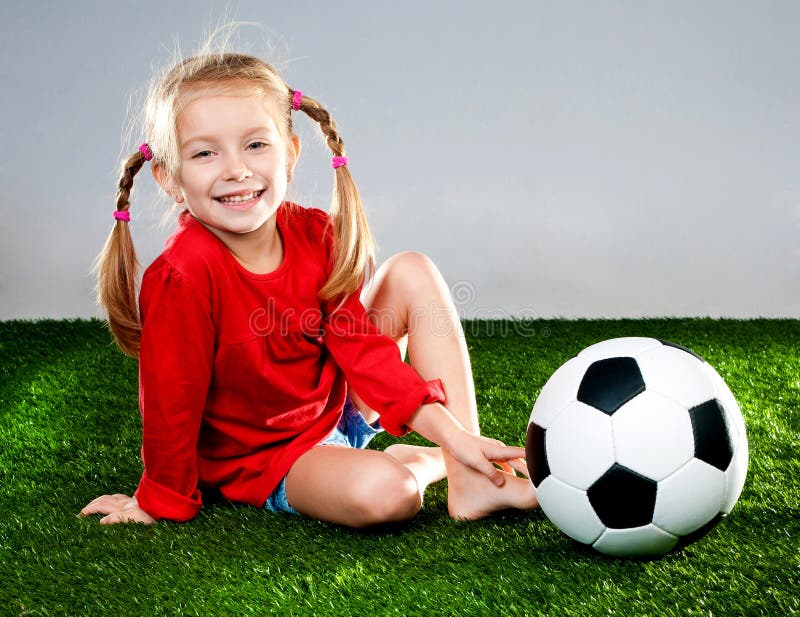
[
  {"x": 292, "y": 154},
  {"x": 166, "y": 182}
]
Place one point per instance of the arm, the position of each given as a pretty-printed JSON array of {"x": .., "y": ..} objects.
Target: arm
[
  {"x": 395, "y": 390},
  {"x": 175, "y": 366},
  {"x": 373, "y": 368},
  {"x": 404, "y": 400},
  {"x": 437, "y": 424}
]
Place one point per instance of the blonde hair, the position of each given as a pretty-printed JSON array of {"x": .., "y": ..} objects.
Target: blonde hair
[{"x": 219, "y": 73}]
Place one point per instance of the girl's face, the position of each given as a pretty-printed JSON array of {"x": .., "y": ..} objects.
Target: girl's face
[{"x": 235, "y": 164}]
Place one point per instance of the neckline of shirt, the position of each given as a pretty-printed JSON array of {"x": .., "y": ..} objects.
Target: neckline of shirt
[{"x": 281, "y": 226}]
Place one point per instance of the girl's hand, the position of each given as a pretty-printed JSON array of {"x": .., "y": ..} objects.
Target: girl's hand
[
  {"x": 118, "y": 509},
  {"x": 481, "y": 453}
]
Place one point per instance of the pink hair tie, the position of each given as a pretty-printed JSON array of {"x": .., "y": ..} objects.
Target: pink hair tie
[
  {"x": 338, "y": 161},
  {"x": 297, "y": 100},
  {"x": 148, "y": 153},
  {"x": 122, "y": 215}
]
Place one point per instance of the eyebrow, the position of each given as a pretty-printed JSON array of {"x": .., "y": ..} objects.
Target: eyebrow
[{"x": 207, "y": 138}]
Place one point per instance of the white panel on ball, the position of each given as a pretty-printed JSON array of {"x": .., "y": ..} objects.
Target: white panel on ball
[
  {"x": 689, "y": 498},
  {"x": 569, "y": 509},
  {"x": 653, "y": 435},
  {"x": 579, "y": 445},
  {"x": 677, "y": 374},
  {"x": 636, "y": 542},
  {"x": 735, "y": 476},
  {"x": 619, "y": 347},
  {"x": 559, "y": 391}
]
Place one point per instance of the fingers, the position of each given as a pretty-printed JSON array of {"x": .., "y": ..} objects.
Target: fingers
[
  {"x": 117, "y": 508},
  {"x": 491, "y": 457},
  {"x": 113, "y": 518},
  {"x": 106, "y": 504},
  {"x": 130, "y": 515},
  {"x": 513, "y": 465},
  {"x": 509, "y": 459},
  {"x": 520, "y": 465},
  {"x": 496, "y": 476},
  {"x": 502, "y": 452},
  {"x": 116, "y": 518},
  {"x": 504, "y": 466}
]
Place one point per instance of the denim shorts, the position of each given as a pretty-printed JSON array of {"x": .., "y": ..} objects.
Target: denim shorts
[{"x": 351, "y": 432}]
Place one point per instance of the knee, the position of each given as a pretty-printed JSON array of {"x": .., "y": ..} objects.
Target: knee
[
  {"x": 410, "y": 270},
  {"x": 389, "y": 496},
  {"x": 408, "y": 263}
]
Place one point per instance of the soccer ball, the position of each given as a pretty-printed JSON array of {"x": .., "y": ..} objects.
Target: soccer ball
[{"x": 636, "y": 446}]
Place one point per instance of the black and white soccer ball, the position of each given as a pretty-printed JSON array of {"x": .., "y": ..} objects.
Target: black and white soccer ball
[{"x": 636, "y": 446}]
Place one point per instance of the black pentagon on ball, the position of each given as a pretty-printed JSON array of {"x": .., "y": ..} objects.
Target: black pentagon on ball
[
  {"x": 535, "y": 454},
  {"x": 608, "y": 384},
  {"x": 712, "y": 442},
  {"x": 623, "y": 498}
]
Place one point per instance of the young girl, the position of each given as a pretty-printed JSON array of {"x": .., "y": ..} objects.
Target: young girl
[{"x": 263, "y": 368}]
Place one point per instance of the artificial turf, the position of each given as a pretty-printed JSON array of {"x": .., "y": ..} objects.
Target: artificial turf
[{"x": 69, "y": 431}]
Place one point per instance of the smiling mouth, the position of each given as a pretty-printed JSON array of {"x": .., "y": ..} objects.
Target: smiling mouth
[{"x": 240, "y": 199}]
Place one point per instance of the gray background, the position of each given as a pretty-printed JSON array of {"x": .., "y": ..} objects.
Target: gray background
[{"x": 555, "y": 159}]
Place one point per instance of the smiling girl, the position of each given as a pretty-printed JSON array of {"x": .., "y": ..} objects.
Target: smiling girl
[{"x": 264, "y": 369}]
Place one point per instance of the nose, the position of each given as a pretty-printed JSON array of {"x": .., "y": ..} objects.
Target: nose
[{"x": 236, "y": 168}]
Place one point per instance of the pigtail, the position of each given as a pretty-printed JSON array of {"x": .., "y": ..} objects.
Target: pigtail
[
  {"x": 118, "y": 269},
  {"x": 354, "y": 247}
]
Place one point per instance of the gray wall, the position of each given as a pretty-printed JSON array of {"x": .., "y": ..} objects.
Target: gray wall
[{"x": 555, "y": 159}]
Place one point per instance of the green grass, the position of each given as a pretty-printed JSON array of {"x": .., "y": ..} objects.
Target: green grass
[{"x": 69, "y": 431}]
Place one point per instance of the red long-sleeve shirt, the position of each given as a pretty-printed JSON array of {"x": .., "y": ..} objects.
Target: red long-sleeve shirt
[{"x": 242, "y": 373}]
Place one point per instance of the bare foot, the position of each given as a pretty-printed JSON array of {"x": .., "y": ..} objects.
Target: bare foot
[
  {"x": 471, "y": 495},
  {"x": 427, "y": 464}
]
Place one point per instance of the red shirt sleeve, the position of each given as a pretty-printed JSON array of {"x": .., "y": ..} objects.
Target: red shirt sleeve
[
  {"x": 175, "y": 367},
  {"x": 372, "y": 365},
  {"x": 369, "y": 359}
]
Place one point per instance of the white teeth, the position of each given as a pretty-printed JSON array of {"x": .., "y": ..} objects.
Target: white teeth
[{"x": 239, "y": 198}]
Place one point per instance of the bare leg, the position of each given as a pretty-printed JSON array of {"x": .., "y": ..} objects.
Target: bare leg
[
  {"x": 410, "y": 302},
  {"x": 352, "y": 487},
  {"x": 426, "y": 464}
]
